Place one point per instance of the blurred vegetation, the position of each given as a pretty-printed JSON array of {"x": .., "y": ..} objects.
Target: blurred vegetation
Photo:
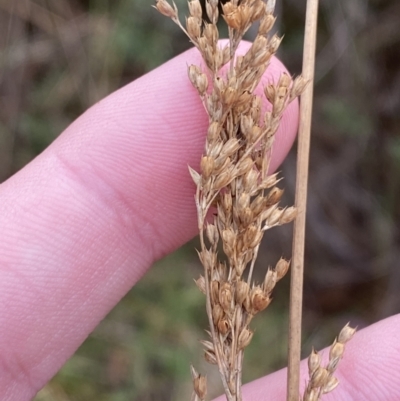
[{"x": 58, "y": 58}]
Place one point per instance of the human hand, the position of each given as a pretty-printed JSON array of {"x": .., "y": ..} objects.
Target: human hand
[{"x": 84, "y": 220}]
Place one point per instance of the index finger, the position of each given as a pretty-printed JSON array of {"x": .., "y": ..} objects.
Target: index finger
[{"x": 86, "y": 218}]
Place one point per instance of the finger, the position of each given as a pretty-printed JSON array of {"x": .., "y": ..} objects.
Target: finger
[
  {"x": 83, "y": 221},
  {"x": 369, "y": 370}
]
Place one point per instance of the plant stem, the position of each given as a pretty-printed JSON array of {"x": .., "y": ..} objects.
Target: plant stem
[{"x": 296, "y": 285}]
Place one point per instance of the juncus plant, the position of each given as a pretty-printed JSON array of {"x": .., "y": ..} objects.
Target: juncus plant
[{"x": 237, "y": 200}]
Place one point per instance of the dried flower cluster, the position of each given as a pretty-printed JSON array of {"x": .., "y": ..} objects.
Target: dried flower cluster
[
  {"x": 322, "y": 380},
  {"x": 234, "y": 178}
]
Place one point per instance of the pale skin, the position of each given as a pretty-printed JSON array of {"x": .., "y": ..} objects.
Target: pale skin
[{"x": 83, "y": 222}]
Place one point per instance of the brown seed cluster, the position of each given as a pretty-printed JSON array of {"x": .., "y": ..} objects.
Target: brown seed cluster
[
  {"x": 233, "y": 178},
  {"x": 322, "y": 379}
]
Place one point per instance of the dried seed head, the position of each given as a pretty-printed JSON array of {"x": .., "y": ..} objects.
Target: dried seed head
[
  {"x": 270, "y": 281},
  {"x": 195, "y": 9},
  {"x": 266, "y": 24},
  {"x": 225, "y": 297},
  {"x": 274, "y": 43},
  {"x": 211, "y": 34},
  {"x": 299, "y": 84},
  {"x": 197, "y": 78},
  {"x": 193, "y": 26},
  {"x": 200, "y": 386},
  {"x": 201, "y": 284},
  {"x": 217, "y": 313},
  {"x": 242, "y": 291},
  {"x": 244, "y": 165},
  {"x": 213, "y": 131},
  {"x": 166, "y": 9},
  {"x": 274, "y": 218},
  {"x": 212, "y": 10},
  {"x": 252, "y": 236},
  {"x": 333, "y": 382},
  {"x": 275, "y": 195},
  {"x": 229, "y": 237},
  {"x": 314, "y": 362},
  {"x": 319, "y": 377},
  {"x": 230, "y": 147},
  {"x": 223, "y": 179},
  {"x": 207, "y": 166},
  {"x": 258, "y": 10},
  {"x": 212, "y": 234},
  {"x": 244, "y": 338},
  {"x": 232, "y": 16},
  {"x": 269, "y": 92},
  {"x": 336, "y": 351},
  {"x": 282, "y": 268},
  {"x": 259, "y": 301},
  {"x": 223, "y": 326},
  {"x": 288, "y": 215},
  {"x": 346, "y": 334}
]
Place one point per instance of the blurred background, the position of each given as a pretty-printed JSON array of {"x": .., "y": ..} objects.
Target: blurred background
[{"x": 57, "y": 58}]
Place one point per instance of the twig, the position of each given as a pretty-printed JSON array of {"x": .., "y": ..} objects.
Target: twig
[{"x": 296, "y": 286}]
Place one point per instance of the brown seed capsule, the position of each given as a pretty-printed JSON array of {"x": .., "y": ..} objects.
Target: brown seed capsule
[
  {"x": 194, "y": 72},
  {"x": 242, "y": 290},
  {"x": 274, "y": 43},
  {"x": 281, "y": 268},
  {"x": 195, "y": 9},
  {"x": 217, "y": 313},
  {"x": 269, "y": 92},
  {"x": 166, "y": 9},
  {"x": 346, "y": 334},
  {"x": 275, "y": 195},
  {"x": 213, "y": 131},
  {"x": 270, "y": 281},
  {"x": 223, "y": 179},
  {"x": 230, "y": 147},
  {"x": 336, "y": 351},
  {"x": 212, "y": 234},
  {"x": 266, "y": 24},
  {"x": 298, "y": 87},
  {"x": 200, "y": 386},
  {"x": 193, "y": 26},
  {"x": 225, "y": 297},
  {"x": 288, "y": 215},
  {"x": 211, "y": 34},
  {"x": 233, "y": 19},
  {"x": 201, "y": 83},
  {"x": 252, "y": 236},
  {"x": 244, "y": 338},
  {"x": 223, "y": 326},
  {"x": 259, "y": 301},
  {"x": 319, "y": 377}
]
